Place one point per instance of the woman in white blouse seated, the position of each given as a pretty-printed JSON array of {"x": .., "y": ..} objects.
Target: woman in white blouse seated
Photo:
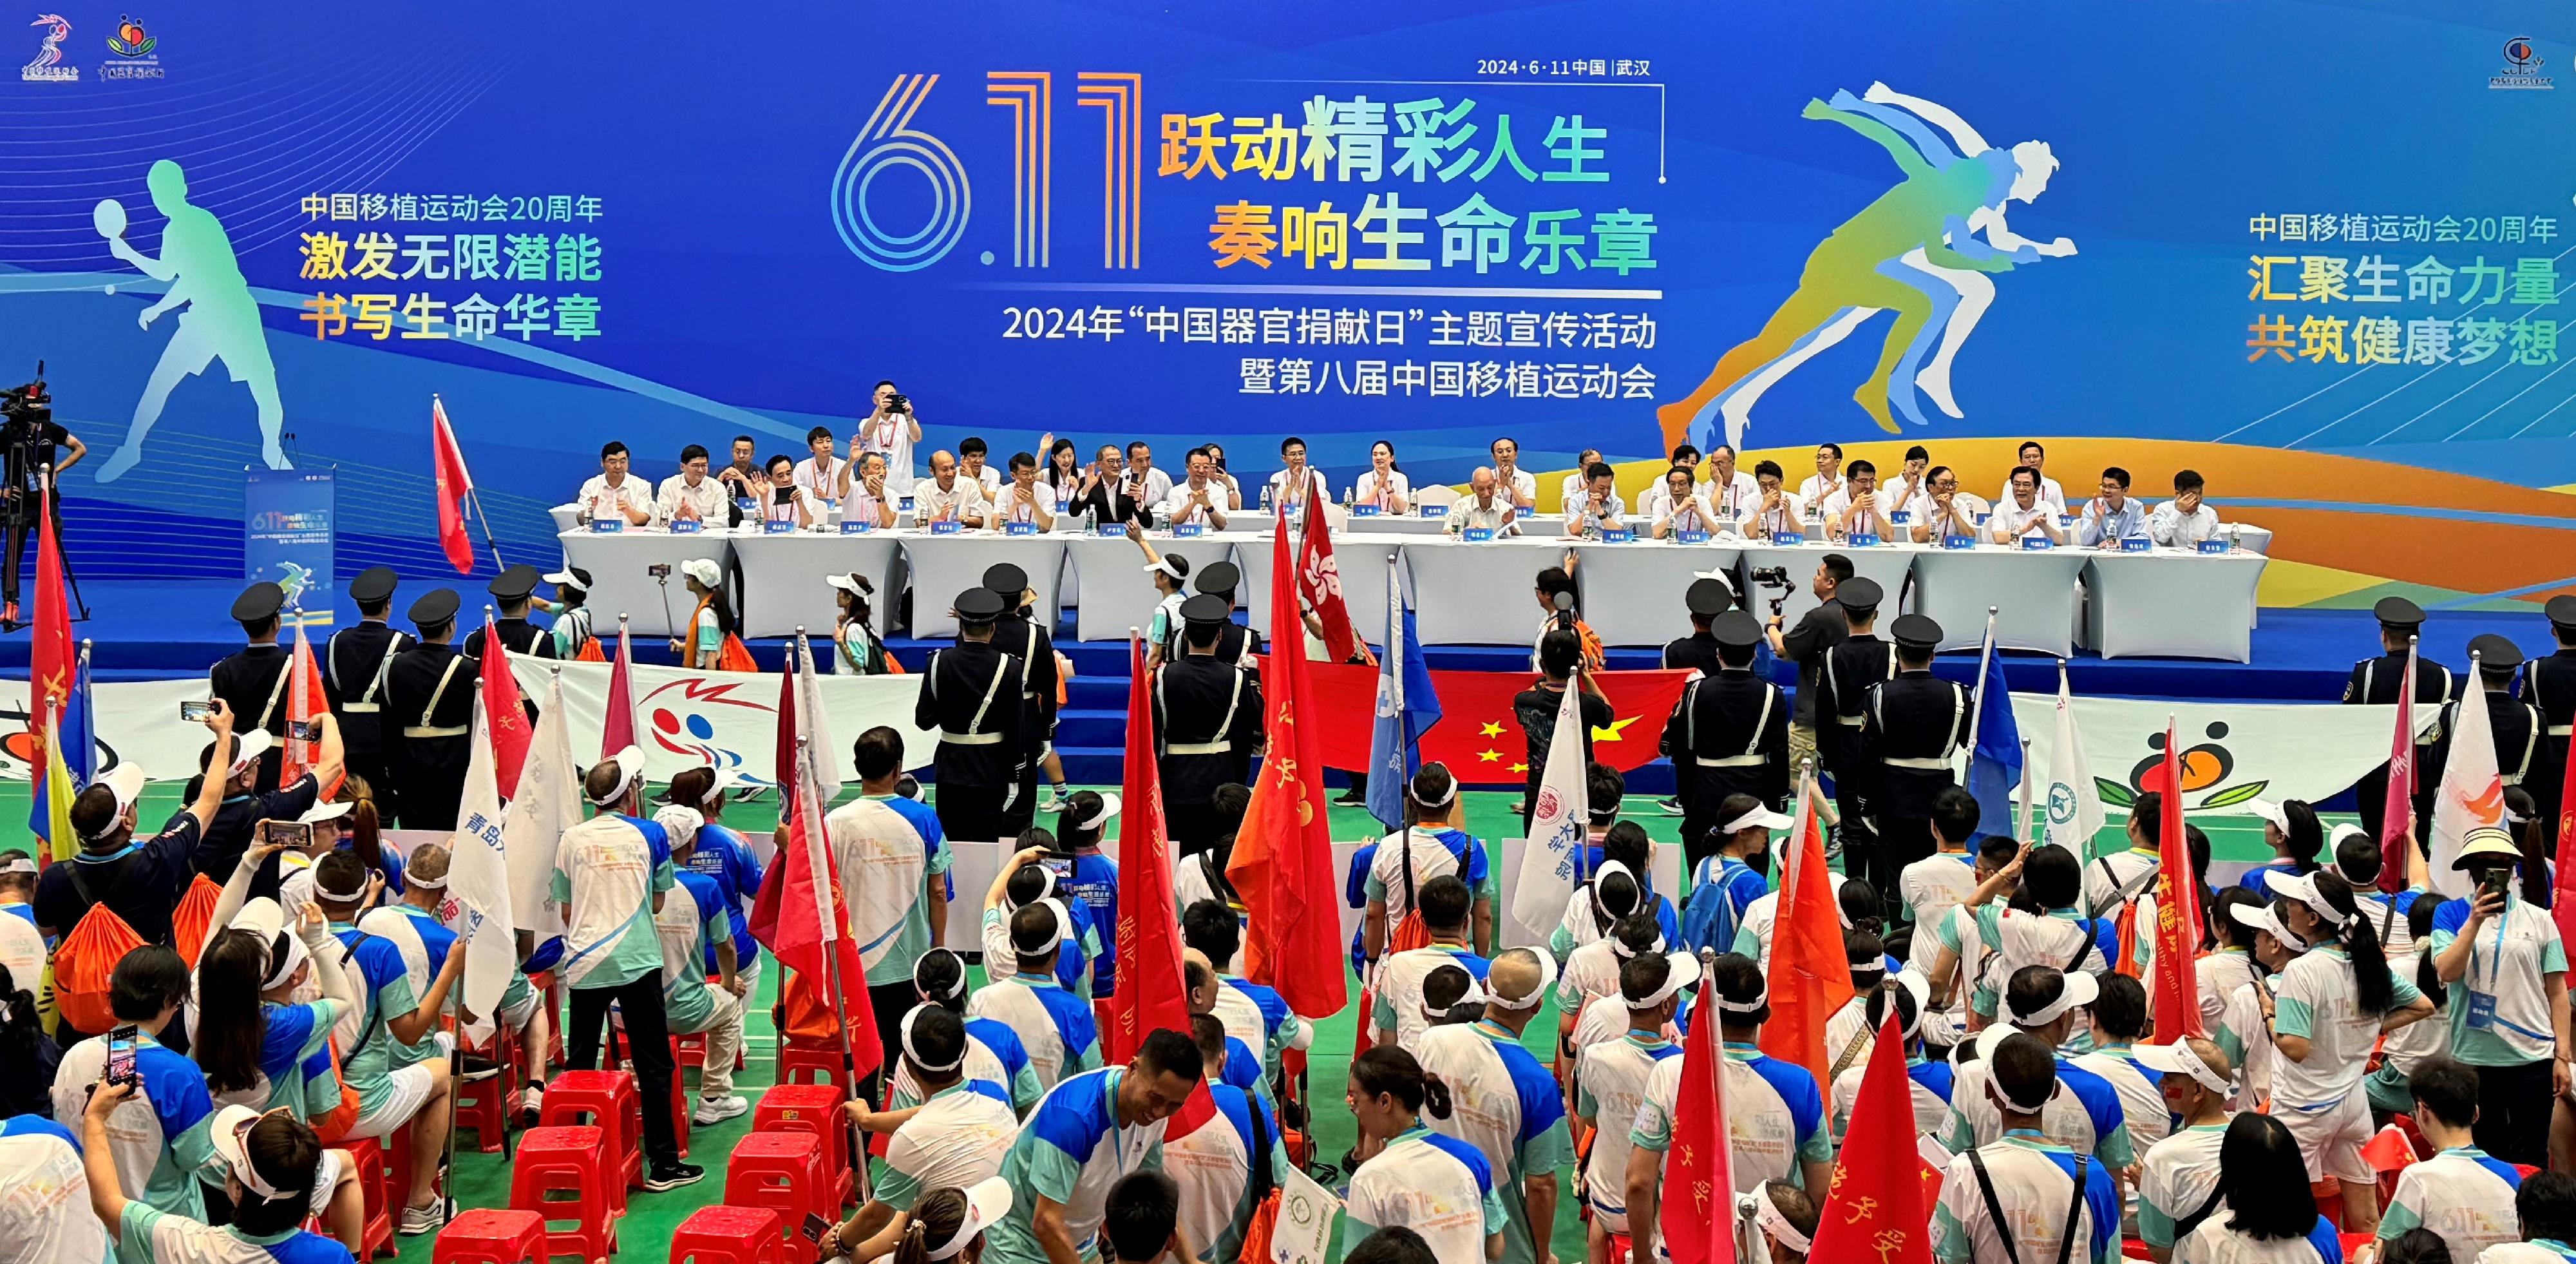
[
  {"x": 1382, "y": 484},
  {"x": 2026, "y": 513},
  {"x": 1682, "y": 507}
]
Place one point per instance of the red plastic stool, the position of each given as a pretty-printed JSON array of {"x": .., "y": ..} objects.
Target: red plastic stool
[
  {"x": 574, "y": 1160},
  {"x": 782, "y": 1171},
  {"x": 486, "y": 1235},
  {"x": 814, "y": 1109},
  {"x": 802, "y": 1063},
  {"x": 484, "y": 1104},
  {"x": 607, "y": 1099},
  {"x": 689, "y": 1050},
  {"x": 729, "y": 1235},
  {"x": 680, "y": 1095},
  {"x": 378, "y": 1236}
]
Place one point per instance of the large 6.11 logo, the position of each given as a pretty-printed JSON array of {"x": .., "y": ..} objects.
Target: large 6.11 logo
[{"x": 889, "y": 144}]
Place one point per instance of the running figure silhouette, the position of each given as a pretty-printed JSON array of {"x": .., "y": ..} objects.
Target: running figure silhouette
[
  {"x": 222, "y": 320},
  {"x": 1913, "y": 251}
]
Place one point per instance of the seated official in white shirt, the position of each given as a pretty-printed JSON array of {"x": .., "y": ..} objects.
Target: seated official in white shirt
[
  {"x": 691, "y": 495},
  {"x": 1571, "y": 490},
  {"x": 1827, "y": 479},
  {"x": 2111, "y": 516},
  {"x": 2186, "y": 520},
  {"x": 867, "y": 490},
  {"x": 1299, "y": 480},
  {"x": 2033, "y": 457},
  {"x": 819, "y": 475},
  {"x": 1382, "y": 484},
  {"x": 1484, "y": 507},
  {"x": 1677, "y": 505},
  {"x": 1199, "y": 499},
  {"x": 2023, "y": 511},
  {"x": 1947, "y": 510},
  {"x": 1157, "y": 485},
  {"x": 970, "y": 465},
  {"x": 1909, "y": 490},
  {"x": 1732, "y": 493},
  {"x": 615, "y": 491},
  {"x": 1021, "y": 500},
  {"x": 1776, "y": 509},
  {"x": 1233, "y": 485},
  {"x": 1517, "y": 483},
  {"x": 1599, "y": 506},
  {"x": 1860, "y": 507},
  {"x": 786, "y": 500},
  {"x": 1656, "y": 500},
  {"x": 946, "y": 497}
]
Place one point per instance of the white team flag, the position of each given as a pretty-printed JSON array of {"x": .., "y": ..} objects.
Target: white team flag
[
  {"x": 1303, "y": 1233},
  {"x": 813, "y": 722},
  {"x": 549, "y": 803},
  {"x": 478, "y": 877},
  {"x": 2072, "y": 811},
  {"x": 2471, "y": 794},
  {"x": 1556, "y": 826}
]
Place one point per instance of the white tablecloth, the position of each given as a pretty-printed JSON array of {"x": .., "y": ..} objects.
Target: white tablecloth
[
  {"x": 946, "y": 565},
  {"x": 1483, "y": 593},
  {"x": 621, "y": 583},
  {"x": 1886, "y": 565},
  {"x": 1632, "y": 593},
  {"x": 1116, "y": 591},
  {"x": 1362, "y": 561},
  {"x": 783, "y": 580},
  {"x": 2034, "y": 595},
  {"x": 2171, "y": 603}
]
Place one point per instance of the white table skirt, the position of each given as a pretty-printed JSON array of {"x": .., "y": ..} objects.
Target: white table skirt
[
  {"x": 2173, "y": 604},
  {"x": 783, "y": 580},
  {"x": 1116, "y": 591},
  {"x": 2034, "y": 595},
  {"x": 621, "y": 583},
  {"x": 946, "y": 565},
  {"x": 1633, "y": 593},
  {"x": 1886, "y": 565},
  {"x": 1362, "y": 562}
]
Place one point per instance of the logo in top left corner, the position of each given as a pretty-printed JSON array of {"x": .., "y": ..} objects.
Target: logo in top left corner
[
  {"x": 48, "y": 66},
  {"x": 133, "y": 46}
]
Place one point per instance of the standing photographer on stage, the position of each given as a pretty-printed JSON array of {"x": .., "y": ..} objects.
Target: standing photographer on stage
[
  {"x": 29, "y": 437},
  {"x": 1817, "y": 633}
]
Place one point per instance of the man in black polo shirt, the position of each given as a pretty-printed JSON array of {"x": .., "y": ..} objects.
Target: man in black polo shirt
[{"x": 1817, "y": 633}]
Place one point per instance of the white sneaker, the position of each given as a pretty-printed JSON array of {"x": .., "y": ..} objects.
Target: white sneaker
[
  {"x": 1056, "y": 801},
  {"x": 716, "y": 1110},
  {"x": 532, "y": 1102},
  {"x": 420, "y": 1220}
]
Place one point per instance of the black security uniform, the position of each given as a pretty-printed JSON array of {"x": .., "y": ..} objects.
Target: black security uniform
[
  {"x": 1729, "y": 734},
  {"x": 1707, "y": 599},
  {"x": 355, "y": 662},
  {"x": 1207, "y": 719},
  {"x": 2375, "y": 682},
  {"x": 1851, "y": 667},
  {"x": 1235, "y": 643},
  {"x": 1019, "y": 634},
  {"x": 252, "y": 680},
  {"x": 2549, "y": 685},
  {"x": 1911, "y": 727},
  {"x": 428, "y": 718},
  {"x": 2514, "y": 725},
  {"x": 971, "y": 696}
]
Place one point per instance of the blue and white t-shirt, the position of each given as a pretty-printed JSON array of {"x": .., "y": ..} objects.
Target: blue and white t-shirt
[
  {"x": 158, "y": 1137},
  {"x": 1775, "y": 1116},
  {"x": 887, "y": 847},
  {"x": 1212, "y": 1163},
  {"x": 44, "y": 1194},
  {"x": 1055, "y": 1026},
  {"x": 1436, "y": 1185},
  {"x": 1506, "y": 1103},
  {"x": 1071, "y": 1149},
  {"x": 1609, "y": 1091},
  {"x": 722, "y": 855},
  {"x": 2084, "y": 1115},
  {"x": 607, "y": 870}
]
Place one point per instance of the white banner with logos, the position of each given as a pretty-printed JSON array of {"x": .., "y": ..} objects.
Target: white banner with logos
[
  {"x": 137, "y": 721},
  {"x": 2231, "y": 751}
]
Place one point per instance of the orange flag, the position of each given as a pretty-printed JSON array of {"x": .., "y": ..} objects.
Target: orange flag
[
  {"x": 1810, "y": 976},
  {"x": 304, "y": 704},
  {"x": 1876, "y": 1209}
]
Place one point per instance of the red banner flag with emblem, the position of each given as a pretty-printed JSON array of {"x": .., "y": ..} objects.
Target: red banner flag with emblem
[
  {"x": 617, "y": 719},
  {"x": 2176, "y": 994},
  {"x": 2397, "y": 810},
  {"x": 1283, "y": 852},
  {"x": 447, "y": 468},
  {"x": 1876, "y": 1209},
  {"x": 50, "y": 657},
  {"x": 1150, "y": 992},
  {"x": 801, "y": 913},
  {"x": 1478, "y": 736},
  {"x": 1697, "y": 1215},
  {"x": 2564, "y": 906},
  {"x": 1319, "y": 582},
  {"x": 509, "y": 715},
  {"x": 305, "y": 704},
  {"x": 1810, "y": 974}
]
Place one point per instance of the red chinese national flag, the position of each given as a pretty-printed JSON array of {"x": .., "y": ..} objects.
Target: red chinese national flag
[
  {"x": 1150, "y": 992},
  {"x": 800, "y": 914},
  {"x": 1319, "y": 581},
  {"x": 1283, "y": 852},
  {"x": 1876, "y": 1209},
  {"x": 305, "y": 703},
  {"x": 447, "y": 467},
  {"x": 51, "y": 659},
  {"x": 2397, "y": 810},
  {"x": 1810, "y": 975},
  {"x": 2564, "y": 906},
  {"x": 2176, "y": 995},
  {"x": 504, "y": 713},
  {"x": 1477, "y": 736},
  {"x": 1697, "y": 1216}
]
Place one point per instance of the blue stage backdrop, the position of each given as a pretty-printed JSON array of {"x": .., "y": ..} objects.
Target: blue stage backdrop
[{"x": 2318, "y": 251}]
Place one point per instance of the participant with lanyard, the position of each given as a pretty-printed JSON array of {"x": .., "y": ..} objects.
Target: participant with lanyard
[
  {"x": 612, "y": 873},
  {"x": 1400, "y": 978},
  {"x": 1171, "y": 573},
  {"x": 994, "y": 1054},
  {"x": 2042, "y": 1003},
  {"x": 2509, "y": 1016},
  {"x": 398, "y": 1064},
  {"x": 2178, "y": 1178},
  {"x": 858, "y": 650},
  {"x": 161, "y": 1142},
  {"x": 1733, "y": 875},
  {"x": 1230, "y": 1160},
  {"x": 2264, "y": 1216},
  {"x": 2062, "y": 938},
  {"x": 901, "y": 910},
  {"x": 1431, "y": 846},
  {"x": 571, "y": 632},
  {"x": 2461, "y": 1192},
  {"x": 2119, "y": 879},
  {"x": 1775, "y": 1112},
  {"x": 714, "y": 638},
  {"x": 1052, "y": 1023},
  {"x": 1252, "y": 1012},
  {"x": 1613, "y": 1081},
  {"x": 267, "y": 1164},
  {"x": 354, "y": 662},
  {"x": 2023, "y": 1198},
  {"x": 1508, "y": 1106},
  {"x": 1910, "y": 994},
  {"x": 955, "y": 1136},
  {"x": 2546, "y": 1207},
  {"x": 1434, "y": 1184},
  {"x": 1084, "y": 1135}
]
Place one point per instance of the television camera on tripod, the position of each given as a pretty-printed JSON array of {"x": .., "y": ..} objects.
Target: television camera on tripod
[{"x": 31, "y": 458}]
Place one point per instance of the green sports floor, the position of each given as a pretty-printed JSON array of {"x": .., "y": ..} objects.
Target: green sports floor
[{"x": 482, "y": 1180}]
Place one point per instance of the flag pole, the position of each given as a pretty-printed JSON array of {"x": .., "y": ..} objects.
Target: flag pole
[
  {"x": 475, "y": 498},
  {"x": 832, "y": 971},
  {"x": 2021, "y": 827},
  {"x": 1977, "y": 705}
]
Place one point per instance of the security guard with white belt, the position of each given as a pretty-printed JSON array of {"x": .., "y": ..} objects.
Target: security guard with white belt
[
  {"x": 1235, "y": 643},
  {"x": 1912, "y": 726},
  {"x": 253, "y": 679},
  {"x": 429, "y": 704},
  {"x": 1018, "y": 633},
  {"x": 2549, "y": 685},
  {"x": 2375, "y": 682},
  {"x": 1707, "y": 598},
  {"x": 1729, "y": 734},
  {"x": 355, "y": 661},
  {"x": 973, "y": 696},
  {"x": 511, "y": 590},
  {"x": 1207, "y": 720},
  {"x": 1861, "y": 660},
  {"x": 2514, "y": 724}
]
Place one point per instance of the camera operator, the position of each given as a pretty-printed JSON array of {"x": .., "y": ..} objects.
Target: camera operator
[
  {"x": 890, "y": 430},
  {"x": 29, "y": 439},
  {"x": 1817, "y": 633}
]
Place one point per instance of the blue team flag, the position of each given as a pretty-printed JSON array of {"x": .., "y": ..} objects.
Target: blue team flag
[
  {"x": 80, "y": 727},
  {"x": 72, "y": 745},
  {"x": 1407, "y": 706},
  {"x": 1994, "y": 766}
]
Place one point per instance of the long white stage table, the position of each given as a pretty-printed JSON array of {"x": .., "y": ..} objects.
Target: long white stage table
[
  {"x": 621, "y": 578},
  {"x": 783, "y": 580},
  {"x": 2170, "y": 603}
]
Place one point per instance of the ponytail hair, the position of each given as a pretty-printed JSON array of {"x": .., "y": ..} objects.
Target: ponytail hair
[
  {"x": 1388, "y": 1071},
  {"x": 2536, "y": 838},
  {"x": 1435, "y": 1095},
  {"x": 2305, "y": 837},
  {"x": 936, "y": 1218},
  {"x": 365, "y": 828},
  {"x": 20, "y": 1033},
  {"x": 1614, "y": 896},
  {"x": 2419, "y": 925},
  {"x": 2374, "y": 991}
]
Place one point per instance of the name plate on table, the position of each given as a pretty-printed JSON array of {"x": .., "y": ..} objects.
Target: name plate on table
[
  {"x": 2065, "y": 521},
  {"x": 1364, "y": 511},
  {"x": 1787, "y": 539},
  {"x": 904, "y": 503},
  {"x": 1901, "y": 518},
  {"x": 1860, "y": 540},
  {"x": 1477, "y": 535},
  {"x": 778, "y": 526},
  {"x": 1981, "y": 518},
  {"x": 1188, "y": 530},
  {"x": 946, "y": 526},
  {"x": 687, "y": 526},
  {"x": 747, "y": 505},
  {"x": 1617, "y": 537},
  {"x": 1019, "y": 528},
  {"x": 1104, "y": 530},
  {"x": 1434, "y": 511},
  {"x": 859, "y": 526},
  {"x": 607, "y": 526},
  {"x": 1690, "y": 537},
  {"x": 2036, "y": 543},
  {"x": 1958, "y": 542},
  {"x": 2213, "y": 546},
  {"x": 2137, "y": 544}
]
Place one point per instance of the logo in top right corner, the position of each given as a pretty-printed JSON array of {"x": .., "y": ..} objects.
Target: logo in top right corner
[{"x": 2521, "y": 71}]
